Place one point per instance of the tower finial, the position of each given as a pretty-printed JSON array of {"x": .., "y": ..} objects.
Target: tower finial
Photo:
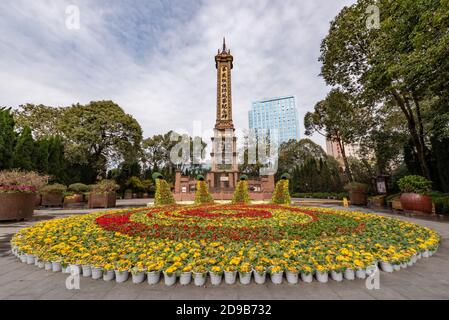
[{"x": 224, "y": 44}]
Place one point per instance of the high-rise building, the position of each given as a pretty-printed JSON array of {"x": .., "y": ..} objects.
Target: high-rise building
[{"x": 275, "y": 114}]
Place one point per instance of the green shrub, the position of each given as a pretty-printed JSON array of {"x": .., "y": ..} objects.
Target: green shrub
[
  {"x": 54, "y": 188},
  {"x": 105, "y": 186},
  {"x": 163, "y": 194},
  {"x": 79, "y": 188},
  {"x": 241, "y": 194},
  {"x": 415, "y": 184},
  {"x": 202, "y": 195},
  {"x": 135, "y": 184},
  {"x": 441, "y": 205},
  {"x": 281, "y": 194},
  {"x": 321, "y": 195}
]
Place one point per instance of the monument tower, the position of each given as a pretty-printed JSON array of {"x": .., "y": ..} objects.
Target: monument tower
[
  {"x": 224, "y": 173},
  {"x": 223, "y": 177}
]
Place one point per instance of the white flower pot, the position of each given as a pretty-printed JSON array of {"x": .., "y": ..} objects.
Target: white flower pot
[
  {"x": 230, "y": 277},
  {"x": 36, "y": 261},
  {"x": 138, "y": 277},
  {"x": 245, "y": 278},
  {"x": 108, "y": 275},
  {"x": 307, "y": 278},
  {"x": 277, "y": 277},
  {"x": 56, "y": 266},
  {"x": 349, "y": 274},
  {"x": 260, "y": 278},
  {"x": 185, "y": 278},
  {"x": 121, "y": 276},
  {"x": 404, "y": 265},
  {"x": 397, "y": 267},
  {"x": 97, "y": 273},
  {"x": 410, "y": 263},
  {"x": 87, "y": 271},
  {"x": 415, "y": 258},
  {"x": 41, "y": 264},
  {"x": 426, "y": 254},
  {"x": 169, "y": 279},
  {"x": 215, "y": 279},
  {"x": 292, "y": 277},
  {"x": 65, "y": 269},
  {"x": 199, "y": 279},
  {"x": 74, "y": 269},
  {"x": 386, "y": 267},
  {"x": 48, "y": 266},
  {"x": 419, "y": 256},
  {"x": 29, "y": 259},
  {"x": 360, "y": 274},
  {"x": 337, "y": 276},
  {"x": 322, "y": 277},
  {"x": 153, "y": 277}
]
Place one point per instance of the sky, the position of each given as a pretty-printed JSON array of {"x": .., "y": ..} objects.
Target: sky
[{"x": 156, "y": 58}]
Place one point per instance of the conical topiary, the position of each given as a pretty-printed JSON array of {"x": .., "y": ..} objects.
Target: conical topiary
[
  {"x": 281, "y": 194},
  {"x": 163, "y": 194},
  {"x": 202, "y": 195},
  {"x": 241, "y": 194}
]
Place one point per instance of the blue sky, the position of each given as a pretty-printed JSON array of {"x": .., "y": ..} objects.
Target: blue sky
[{"x": 156, "y": 58}]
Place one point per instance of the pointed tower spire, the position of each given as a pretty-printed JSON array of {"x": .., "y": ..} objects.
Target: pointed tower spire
[{"x": 224, "y": 44}]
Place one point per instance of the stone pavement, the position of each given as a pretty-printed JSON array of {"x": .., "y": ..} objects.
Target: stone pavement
[{"x": 429, "y": 279}]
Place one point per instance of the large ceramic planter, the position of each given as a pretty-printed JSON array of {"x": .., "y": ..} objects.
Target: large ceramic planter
[
  {"x": 102, "y": 200},
  {"x": 16, "y": 206},
  {"x": 75, "y": 201},
  {"x": 357, "y": 197},
  {"x": 416, "y": 203},
  {"x": 52, "y": 199}
]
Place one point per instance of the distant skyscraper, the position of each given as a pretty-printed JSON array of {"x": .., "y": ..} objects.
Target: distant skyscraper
[{"x": 276, "y": 114}]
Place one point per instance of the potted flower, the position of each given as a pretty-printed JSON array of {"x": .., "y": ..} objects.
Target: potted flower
[
  {"x": 138, "y": 275},
  {"x": 103, "y": 195},
  {"x": 260, "y": 274},
  {"x": 186, "y": 275},
  {"x": 18, "y": 191},
  {"x": 75, "y": 197},
  {"x": 170, "y": 276},
  {"x": 216, "y": 275},
  {"x": 97, "y": 272},
  {"x": 415, "y": 196},
  {"x": 276, "y": 274},
  {"x": 322, "y": 274},
  {"x": 108, "y": 273},
  {"x": 307, "y": 273},
  {"x": 245, "y": 272},
  {"x": 357, "y": 193},
  {"x": 53, "y": 195},
  {"x": 337, "y": 273},
  {"x": 153, "y": 274},
  {"x": 199, "y": 275},
  {"x": 292, "y": 274},
  {"x": 230, "y": 274}
]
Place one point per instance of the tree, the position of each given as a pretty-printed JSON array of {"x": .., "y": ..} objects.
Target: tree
[
  {"x": 43, "y": 120},
  {"x": 7, "y": 139},
  {"x": 40, "y": 157},
  {"x": 56, "y": 163},
  {"x": 100, "y": 134},
  {"x": 23, "y": 151},
  {"x": 403, "y": 61},
  {"x": 338, "y": 119}
]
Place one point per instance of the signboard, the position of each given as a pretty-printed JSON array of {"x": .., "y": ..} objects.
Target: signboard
[{"x": 224, "y": 179}]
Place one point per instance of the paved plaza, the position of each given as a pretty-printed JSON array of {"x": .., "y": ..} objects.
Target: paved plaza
[{"x": 428, "y": 279}]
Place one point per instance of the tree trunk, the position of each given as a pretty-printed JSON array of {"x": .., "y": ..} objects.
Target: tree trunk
[
  {"x": 348, "y": 171},
  {"x": 417, "y": 134}
]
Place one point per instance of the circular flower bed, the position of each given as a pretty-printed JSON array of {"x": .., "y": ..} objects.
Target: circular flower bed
[{"x": 183, "y": 241}]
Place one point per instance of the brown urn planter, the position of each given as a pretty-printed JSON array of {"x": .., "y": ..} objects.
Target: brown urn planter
[
  {"x": 102, "y": 200},
  {"x": 416, "y": 202},
  {"x": 52, "y": 199},
  {"x": 76, "y": 200},
  {"x": 128, "y": 196},
  {"x": 357, "y": 198},
  {"x": 38, "y": 200},
  {"x": 16, "y": 206}
]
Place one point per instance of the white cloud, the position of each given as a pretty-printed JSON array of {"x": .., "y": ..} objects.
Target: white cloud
[{"x": 156, "y": 58}]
